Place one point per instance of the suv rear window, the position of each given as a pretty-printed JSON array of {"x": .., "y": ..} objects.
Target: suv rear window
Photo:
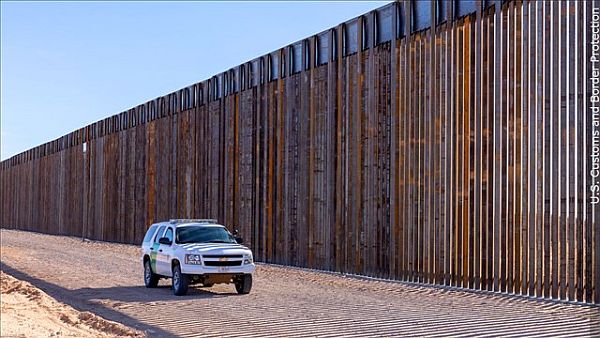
[{"x": 149, "y": 234}]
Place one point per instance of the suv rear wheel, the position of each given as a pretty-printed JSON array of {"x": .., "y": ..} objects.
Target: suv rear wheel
[
  {"x": 180, "y": 281},
  {"x": 150, "y": 278},
  {"x": 243, "y": 284}
]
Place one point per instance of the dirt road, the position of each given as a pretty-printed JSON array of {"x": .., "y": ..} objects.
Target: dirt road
[{"x": 106, "y": 279}]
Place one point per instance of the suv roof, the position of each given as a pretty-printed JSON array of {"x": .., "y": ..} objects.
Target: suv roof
[
  {"x": 181, "y": 225},
  {"x": 185, "y": 222},
  {"x": 192, "y": 220}
]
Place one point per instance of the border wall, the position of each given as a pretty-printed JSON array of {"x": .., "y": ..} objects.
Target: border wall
[{"x": 443, "y": 142}]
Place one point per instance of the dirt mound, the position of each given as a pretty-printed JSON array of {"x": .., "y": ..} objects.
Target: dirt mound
[
  {"x": 12, "y": 285},
  {"x": 29, "y": 312}
]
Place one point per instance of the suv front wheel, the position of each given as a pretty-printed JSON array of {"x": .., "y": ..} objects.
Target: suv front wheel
[
  {"x": 180, "y": 281},
  {"x": 243, "y": 284}
]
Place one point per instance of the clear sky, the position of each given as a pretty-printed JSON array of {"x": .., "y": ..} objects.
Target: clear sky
[{"x": 68, "y": 64}]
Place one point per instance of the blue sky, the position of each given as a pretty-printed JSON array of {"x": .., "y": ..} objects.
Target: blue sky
[{"x": 68, "y": 64}]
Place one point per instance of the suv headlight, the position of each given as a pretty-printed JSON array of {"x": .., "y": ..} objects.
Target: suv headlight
[
  {"x": 248, "y": 259},
  {"x": 193, "y": 259}
]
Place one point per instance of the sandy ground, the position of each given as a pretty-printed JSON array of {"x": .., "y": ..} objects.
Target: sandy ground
[
  {"x": 27, "y": 311},
  {"x": 106, "y": 279}
]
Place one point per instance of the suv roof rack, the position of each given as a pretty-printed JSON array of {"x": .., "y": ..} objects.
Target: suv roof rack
[{"x": 192, "y": 220}]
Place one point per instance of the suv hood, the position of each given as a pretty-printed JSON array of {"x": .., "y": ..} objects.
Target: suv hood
[{"x": 215, "y": 248}]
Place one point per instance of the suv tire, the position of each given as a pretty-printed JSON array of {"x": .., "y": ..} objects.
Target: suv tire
[
  {"x": 150, "y": 278},
  {"x": 243, "y": 284},
  {"x": 180, "y": 281}
]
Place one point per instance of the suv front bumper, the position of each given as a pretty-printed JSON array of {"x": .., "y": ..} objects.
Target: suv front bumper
[{"x": 191, "y": 269}]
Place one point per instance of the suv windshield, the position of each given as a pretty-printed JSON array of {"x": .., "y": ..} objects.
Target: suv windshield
[{"x": 203, "y": 234}]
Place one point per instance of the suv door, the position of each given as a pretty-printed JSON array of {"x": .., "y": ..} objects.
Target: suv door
[
  {"x": 163, "y": 257},
  {"x": 154, "y": 249}
]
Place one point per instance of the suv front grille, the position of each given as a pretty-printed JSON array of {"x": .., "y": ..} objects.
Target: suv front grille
[
  {"x": 222, "y": 263},
  {"x": 219, "y": 256}
]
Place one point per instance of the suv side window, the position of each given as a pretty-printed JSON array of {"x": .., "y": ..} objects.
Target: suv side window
[
  {"x": 169, "y": 234},
  {"x": 149, "y": 234},
  {"x": 159, "y": 233}
]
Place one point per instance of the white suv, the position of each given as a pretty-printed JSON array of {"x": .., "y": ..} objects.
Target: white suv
[{"x": 195, "y": 251}]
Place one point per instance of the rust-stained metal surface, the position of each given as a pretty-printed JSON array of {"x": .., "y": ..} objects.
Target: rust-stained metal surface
[{"x": 456, "y": 154}]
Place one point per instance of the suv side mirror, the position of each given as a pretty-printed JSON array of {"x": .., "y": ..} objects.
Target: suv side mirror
[
  {"x": 164, "y": 240},
  {"x": 239, "y": 240}
]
